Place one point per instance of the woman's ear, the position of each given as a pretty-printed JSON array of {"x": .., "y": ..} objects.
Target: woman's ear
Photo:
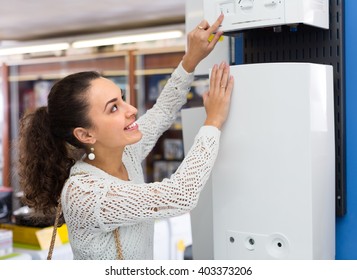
[{"x": 83, "y": 135}]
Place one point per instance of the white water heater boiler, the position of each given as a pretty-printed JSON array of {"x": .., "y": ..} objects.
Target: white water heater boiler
[
  {"x": 248, "y": 14},
  {"x": 271, "y": 194}
]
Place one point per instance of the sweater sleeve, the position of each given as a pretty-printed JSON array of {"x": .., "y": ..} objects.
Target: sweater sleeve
[
  {"x": 161, "y": 116},
  {"x": 117, "y": 203}
]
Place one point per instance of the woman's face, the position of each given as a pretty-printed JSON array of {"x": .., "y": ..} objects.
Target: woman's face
[{"x": 113, "y": 118}]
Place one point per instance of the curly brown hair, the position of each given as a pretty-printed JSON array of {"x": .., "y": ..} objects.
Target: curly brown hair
[{"x": 47, "y": 146}]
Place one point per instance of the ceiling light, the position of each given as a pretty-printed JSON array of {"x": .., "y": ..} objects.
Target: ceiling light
[
  {"x": 34, "y": 49},
  {"x": 128, "y": 39}
]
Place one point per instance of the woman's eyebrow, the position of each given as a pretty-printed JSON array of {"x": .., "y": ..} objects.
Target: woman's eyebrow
[{"x": 110, "y": 101}]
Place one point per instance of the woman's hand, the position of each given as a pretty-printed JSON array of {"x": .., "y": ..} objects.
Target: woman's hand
[
  {"x": 217, "y": 100},
  {"x": 199, "y": 45}
]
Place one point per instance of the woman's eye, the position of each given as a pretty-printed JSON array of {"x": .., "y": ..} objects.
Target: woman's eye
[{"x": 114, "y": 108}]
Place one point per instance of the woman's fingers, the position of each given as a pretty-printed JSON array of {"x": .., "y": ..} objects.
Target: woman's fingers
[
  {"x": 219, "y": 75},
  {"x": 213, "y": 77},
  {"x": 214, "y": 27},
  {"x": 218, "y": 98},
  {"x": 224, "y": 80},
  {"x": 230, "y": 85},
  {"x": 200, "y": 44},
  {"x": 214, "y": 30},
  {"x": 203, "y": 25}
]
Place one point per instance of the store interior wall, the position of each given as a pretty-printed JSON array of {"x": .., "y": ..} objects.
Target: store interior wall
[{"x": 346, "y": 226}]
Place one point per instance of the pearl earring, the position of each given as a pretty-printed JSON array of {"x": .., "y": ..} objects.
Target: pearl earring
[{"x": 91, "y": 155}]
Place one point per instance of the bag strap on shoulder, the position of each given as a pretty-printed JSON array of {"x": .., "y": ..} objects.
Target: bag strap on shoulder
[{"x": 54, "y": 233}]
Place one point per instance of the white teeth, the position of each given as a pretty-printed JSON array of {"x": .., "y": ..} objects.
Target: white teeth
[{"x": 131, "y": 126}]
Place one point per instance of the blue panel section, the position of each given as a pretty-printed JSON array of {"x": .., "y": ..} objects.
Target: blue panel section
[
  {"x": 239, "y": 49},
  {"x": 346, "y": 227}
]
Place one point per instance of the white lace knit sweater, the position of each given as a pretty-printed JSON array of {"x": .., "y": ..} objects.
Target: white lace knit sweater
[{"x": 95, "y": 203}]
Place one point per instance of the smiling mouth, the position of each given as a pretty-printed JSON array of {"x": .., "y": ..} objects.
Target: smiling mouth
[{"x": 132, "y": 126}]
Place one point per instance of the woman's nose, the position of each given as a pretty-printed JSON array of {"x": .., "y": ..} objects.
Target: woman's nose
[{"x": 131, "y": 110}]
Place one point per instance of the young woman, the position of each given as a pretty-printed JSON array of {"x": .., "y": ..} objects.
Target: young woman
[{"x": 103, "y": 193}]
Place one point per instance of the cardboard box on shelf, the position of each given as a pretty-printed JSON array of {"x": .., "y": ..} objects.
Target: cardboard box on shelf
[{"x": 36, "y": 238}]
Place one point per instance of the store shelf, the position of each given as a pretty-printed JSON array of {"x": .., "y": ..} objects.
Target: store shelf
[
  {"x": 17, "y": 256},
  {"x": 63, "y": 252}
]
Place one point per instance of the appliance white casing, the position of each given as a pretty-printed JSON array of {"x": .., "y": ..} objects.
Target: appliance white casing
[
  {"x": 272, "y": 190},
  {"x": 248, "y": 14}
]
